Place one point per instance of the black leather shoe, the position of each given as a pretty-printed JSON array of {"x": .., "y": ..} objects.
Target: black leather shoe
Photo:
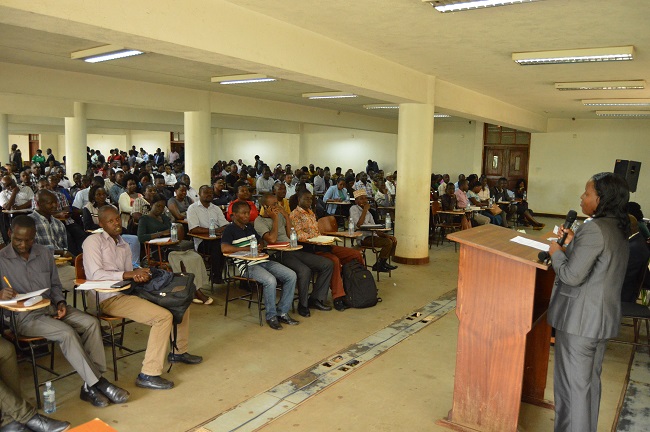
[
  {"x": 14, "y": 426},
  {"x": 340, "y": 305},
  {"x": 114, "y": 393},
  {"x": 153, "y": 382},
  {"x": 274, "y": 323},
  {"x": 286, "y": 319},
  {"x": 40, "y": 423},
  {"x": 186, "y": 358},
  {"x": 389, "y": 266},
  {"x": 94, "y": 396},
  {"x": 303, "y": 311},
  {"x": 317, "y": 304}
]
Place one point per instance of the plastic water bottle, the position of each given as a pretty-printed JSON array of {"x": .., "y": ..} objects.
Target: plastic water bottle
[
  {"x": 254, "y": 247},
  {"x": 174, "y": 232},
  {"x": 293, "y": 238},
  {"x": 525, "y": 195},
  {"x": 49, "y": 398},
  {"x": 213, "y": 228},
  {"x": 350, "y": 227},
  {"x": 389, "y": 221}
]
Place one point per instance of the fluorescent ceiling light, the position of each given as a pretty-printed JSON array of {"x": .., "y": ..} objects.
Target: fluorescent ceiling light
[
  {"x": 439, "y": 115},
  {"x": 601, "y": 85},
  {"x": 381, "y": 106},
  {"x": 575, "y": 55},
  {"x": 104, "y": 53},
  {"x": 241, "y": 79},
  {"x": 329, "y": 95},
  {"x": 623, "y": 113},
  {"x": 616, "y": 102},
  {"x": 461, "y": 5}
]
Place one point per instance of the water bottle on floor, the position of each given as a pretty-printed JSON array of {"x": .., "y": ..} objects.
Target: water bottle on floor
[{"x": 49, "y": 398}]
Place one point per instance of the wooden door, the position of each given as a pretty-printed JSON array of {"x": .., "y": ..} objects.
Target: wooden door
[{"x": 505, "y": 154}]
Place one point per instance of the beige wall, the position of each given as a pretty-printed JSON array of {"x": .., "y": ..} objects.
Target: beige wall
[
  {"x": 347, "y": 148},
  {"x": 564, "y": 158},
  {"x": 23, "y": 144},
  {"x": 457, "y": 147},
  {"x": 273, "y": 148}
]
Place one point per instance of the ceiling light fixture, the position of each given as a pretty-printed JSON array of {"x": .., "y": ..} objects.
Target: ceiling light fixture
[
  {"x": 623, "y": 113},
  {"x": 241, "y": 79},
  {"x": 381, "y": 106},
  {"x": 329, "y": 95},
  {"x": 616, "y": 102},
  {"x": 601, "y": 85},
  {"x": 440, "y": 115},
  {"x": 104, "y": 53},
  {"x": 575, "y": 56},
  {"x": 462, "y": 5}
]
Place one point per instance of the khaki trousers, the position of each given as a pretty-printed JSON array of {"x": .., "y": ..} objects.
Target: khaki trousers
[
  {"x": 161, "y": 322},
  {"x": 12, "y": 406},
  {"x": 386, "y": 245}
]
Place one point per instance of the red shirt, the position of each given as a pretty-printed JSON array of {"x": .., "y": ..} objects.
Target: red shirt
[{"x": 254, "y": 212}]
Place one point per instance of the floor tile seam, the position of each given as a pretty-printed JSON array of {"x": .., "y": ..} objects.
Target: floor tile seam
[{"x": 425, "y": 315}]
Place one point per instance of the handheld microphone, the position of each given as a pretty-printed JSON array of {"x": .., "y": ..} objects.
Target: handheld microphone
[{"x": 570, "y": 218}]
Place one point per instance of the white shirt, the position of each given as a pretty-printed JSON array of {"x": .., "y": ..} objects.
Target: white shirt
[
  {"x": 291, "y": 189},
  {"x": 170, "y": 179},
  {"x": 193, "y": 194},
  {"x": 24, "y": 195},
  {"x": 173, "y": 156},
  {"x": 390, "y": 187},
  {"x": 199, "y": 216},
  {"x": 81, "y": 198}
]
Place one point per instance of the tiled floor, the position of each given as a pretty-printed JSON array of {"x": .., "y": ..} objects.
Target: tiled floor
[{"x": 408, "y": 387}]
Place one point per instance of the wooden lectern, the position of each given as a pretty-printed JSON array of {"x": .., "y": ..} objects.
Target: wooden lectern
[{"x": 503, "y": 336}]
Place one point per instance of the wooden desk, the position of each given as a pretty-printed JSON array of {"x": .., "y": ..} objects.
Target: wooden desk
[
  {"x": 205, "y": 236},
  {"x": 21, "y": 211},
  {"x": 344, "y": 235},
  {"x": 503, "y": 337},
  {"x": 147, "y": 252},
  {"x": 20, "y": 306}
]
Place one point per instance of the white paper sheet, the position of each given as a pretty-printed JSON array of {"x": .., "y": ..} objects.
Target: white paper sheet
[
  {"x": 531, "y": 243},
  {"x": 160, "y": 240},
  {"x": 90, "y": 285},
  {"x": 21, "y": 297}
]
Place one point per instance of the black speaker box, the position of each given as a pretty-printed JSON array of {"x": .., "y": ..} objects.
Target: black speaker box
[{"x": 629, "y": 170}]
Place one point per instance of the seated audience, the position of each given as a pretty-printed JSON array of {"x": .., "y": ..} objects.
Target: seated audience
[
  {"x": 13, "y": 196},
  {"x": 360, "y": 215},
  {"x": 502, "y": 194},
  {"x": 304, "y": 221},
  {"x": 319, "y": 182},
  {"x": 289, "y": 184},
  {"x": 26, "y": 180},
  {"x": 29, "y": 267},
  {"x": 462, "y": 201},
  {"x": 280, "y": 191},
  {"x": 199, "y": 216},
  {"x": 337, "y": 193},
  {"x": 634, "y": 209},
  {"x": 157, "y": 224},
  {"x": 265, "y": 183},
  {"x": 274, "y": 226},
  {"x": 192, "y": 193},
  {"x": 178, "y": 204},
  {"x": 220, "y": 193},
  {"x": 107, "y": 257},
  {"x": 442, "y": 187},
  {"x": 236, "y": 237},
  {"x": 127, "y": 198},
  {"x": 81, "y": 198},
  {"x": 18, "y": 414},
  {"x": 382, "y": 197},
  {"x": 364, "y": 183},
  {"x": 525, "y": 214},
  {"x": 243, "y": 194},
  {"x": 159, "y": 181},
  {"x": 637, "y": 264},
  {"x": 168, "y": 175},
  {"x": 473, "y": 196},
  {"x": 97, "y": 199},
  {"x": 118, "y": 186}
]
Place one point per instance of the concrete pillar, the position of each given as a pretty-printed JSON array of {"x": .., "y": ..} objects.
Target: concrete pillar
[
  {"x": 414, "y": 156},
  {"x": 217, "y": 143},
  {"x": 198, "y": 143},
  {"x": 4, "y": 138},
  {"x": 75, "y": 141}
]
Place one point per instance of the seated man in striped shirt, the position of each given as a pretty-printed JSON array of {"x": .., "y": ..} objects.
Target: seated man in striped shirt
[{"x": 237, "y": 237}]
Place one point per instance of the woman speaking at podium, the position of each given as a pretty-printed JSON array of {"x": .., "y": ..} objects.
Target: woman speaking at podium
[{"x": 585, "y": 307}]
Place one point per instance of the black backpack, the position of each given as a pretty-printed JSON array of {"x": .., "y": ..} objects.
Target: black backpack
[
  {"x": 359, "y": 285},
  {"x": 172, "y": 291}
]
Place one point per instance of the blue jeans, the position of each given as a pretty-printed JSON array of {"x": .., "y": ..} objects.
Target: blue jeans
[
  {"x": 134, "y": 244},
  {"x": 269, "y": 274}
]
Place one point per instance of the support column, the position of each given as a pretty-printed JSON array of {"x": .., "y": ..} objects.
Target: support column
[
  {"x": 198, "y": 140},
  {"x": 414, "y": 155},
  {"x": 4, "y": 138},
  {"x": 75, "y": 141}
]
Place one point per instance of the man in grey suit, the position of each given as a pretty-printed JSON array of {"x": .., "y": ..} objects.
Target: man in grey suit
[
  {"x": 585, "y": 307},
  {"x": 27, "y": 267}
]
